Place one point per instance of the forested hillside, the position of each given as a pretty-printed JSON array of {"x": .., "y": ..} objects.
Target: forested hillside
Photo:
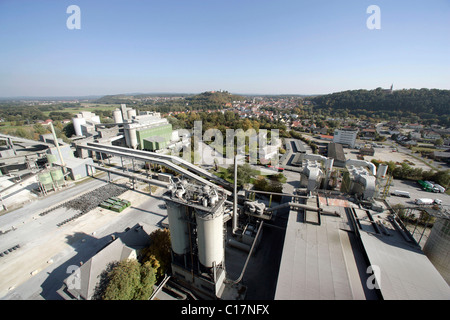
[
  {"x": 427, "y": 104},
  {"x": 213, "y": 100}
]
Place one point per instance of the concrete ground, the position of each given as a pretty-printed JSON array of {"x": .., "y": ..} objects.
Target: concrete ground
[
  {"x": 36, "y": 269},
  {"x": 416, "y": 192},
  {"x": 387, "y": 154}
]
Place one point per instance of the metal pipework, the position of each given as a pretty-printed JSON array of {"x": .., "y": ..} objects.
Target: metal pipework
[{"x": 235, "y": 216}]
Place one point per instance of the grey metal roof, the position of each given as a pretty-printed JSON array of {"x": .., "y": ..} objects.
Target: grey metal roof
[
  {"x": 405, "y": 271},
  {"x": 336, "y": 151},
  {"x": 324, "y": 261},
  {"x": 317, "y": 261}
]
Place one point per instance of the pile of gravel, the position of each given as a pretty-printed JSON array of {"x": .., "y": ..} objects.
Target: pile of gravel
[{"x": 92, "y": 199}]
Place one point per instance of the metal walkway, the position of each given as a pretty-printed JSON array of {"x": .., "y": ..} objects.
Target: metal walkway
[{"x": 168, "y": 161}]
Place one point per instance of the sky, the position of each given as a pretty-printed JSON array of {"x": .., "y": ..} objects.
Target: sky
[{"x": 242, "y": 46}]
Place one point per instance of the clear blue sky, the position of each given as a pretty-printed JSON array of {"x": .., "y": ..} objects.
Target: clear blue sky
[{"x": 243, "y": 46}]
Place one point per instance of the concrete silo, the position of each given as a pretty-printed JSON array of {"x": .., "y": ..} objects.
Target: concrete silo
[
  {"x": 196, "y": 226},
  {"x": 437, "y": 247},
  {"x": 382, "y": 171},
  {"x": 77, "y": 123},
  {"x": 131, "y": 113},
  {"x": 117, "y": 115},
  {"x": 210, "y": 237},
  {"x": 179, "y": 233}
]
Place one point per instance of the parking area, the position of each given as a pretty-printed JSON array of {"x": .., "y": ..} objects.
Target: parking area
[
  {"x": 388, "y": 154},
  {"x": 415, "y": 191}
]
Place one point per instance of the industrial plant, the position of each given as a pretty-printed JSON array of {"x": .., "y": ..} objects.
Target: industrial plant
[{"x": 330, "y": 234}]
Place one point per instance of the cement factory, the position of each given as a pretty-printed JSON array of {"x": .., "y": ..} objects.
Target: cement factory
[{"x": 331, "y": 235}]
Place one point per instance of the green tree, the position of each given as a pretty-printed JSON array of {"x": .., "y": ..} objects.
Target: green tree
[
  {"x": 39, "y": 128},
  {"x": 438, "y": 142},
  {"x": 261, "y": 184},
  {"x": 159, "y": 250},
  {"x": 244, "y": 173},
  {"x": 129, "y": 280}
]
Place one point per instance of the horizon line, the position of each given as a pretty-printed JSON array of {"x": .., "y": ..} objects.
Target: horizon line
[{"x": 92, "y": 96}]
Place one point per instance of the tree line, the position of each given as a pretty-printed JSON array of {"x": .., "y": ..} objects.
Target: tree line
[{"x": 406, "y": 172}]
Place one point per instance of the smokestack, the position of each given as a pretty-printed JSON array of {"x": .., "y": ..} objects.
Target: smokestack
[
  {"x": 235, "y": 217},
  {"x": 63, "y": 164}
]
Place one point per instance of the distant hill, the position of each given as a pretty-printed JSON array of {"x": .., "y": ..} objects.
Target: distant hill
[
  {"x": 128, "y": 97},
  {"x": 419, "y": 101},
  {"x": 213, "y": 99}
]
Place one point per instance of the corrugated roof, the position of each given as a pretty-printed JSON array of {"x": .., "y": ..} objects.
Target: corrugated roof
[{"x": 317, "y": 260}]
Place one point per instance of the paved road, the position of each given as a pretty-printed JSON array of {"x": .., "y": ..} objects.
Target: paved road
[{"x": 77, "y": 241}]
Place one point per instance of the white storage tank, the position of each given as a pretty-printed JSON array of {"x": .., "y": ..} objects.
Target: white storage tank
[
  {"x": 117, "y": 115},
  {"x": 382, "y": 170},
  {"x": 437, "y": 247},
  {"x": 210, "y": 237},
  {"x": 133, "y": 138},
  {"x": 179, "y": 235},
  {"x": 131, "y": 113},
  {"x": 77, "y": 122}
]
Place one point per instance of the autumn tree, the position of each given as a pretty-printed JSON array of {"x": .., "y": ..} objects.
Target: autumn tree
[{"x": 158, "y": 253}]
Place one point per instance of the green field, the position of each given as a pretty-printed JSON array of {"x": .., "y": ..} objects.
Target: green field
[{"x": 88, "y": 107}]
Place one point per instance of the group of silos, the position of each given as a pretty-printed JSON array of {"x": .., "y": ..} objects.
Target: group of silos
[
  {"x": 210, "y": 236},
  {"x": 51, "y": 179},
  {"x": 125, "y": 115},
  {"x": 82, "y": 119}
]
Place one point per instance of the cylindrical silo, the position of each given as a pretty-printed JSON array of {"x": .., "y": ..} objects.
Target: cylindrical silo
[
  {"x": 382, "y": 170},
  {"x": 133, "y": 138},
  {"x": 437, "y": 247},
  {"x": 46, "y": 180},
  {"x": 117, "y": 115},
  {"x": 179, "y": 234},
  {"x": 210, "y": 237},
  {"x": 131, "y": 113},
  {"x": 77, "y": 122}
]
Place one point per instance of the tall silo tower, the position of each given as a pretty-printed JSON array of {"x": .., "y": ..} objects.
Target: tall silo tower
[
  {"x": 197, "y": 237},
  {"x": 437, "y": 247}
]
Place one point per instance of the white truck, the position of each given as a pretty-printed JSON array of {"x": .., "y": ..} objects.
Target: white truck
[
  {"x": 401, "y": 193},
  {"x": 440, "y": 188},
  {"x": 427, "y": 201}
]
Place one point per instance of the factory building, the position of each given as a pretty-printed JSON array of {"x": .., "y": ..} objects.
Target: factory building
[
  {"x": 345, "y": 137},
  {"x": 354, "y": 254},
  {"x": 336, "y": 152},
  {"x": 360, "y": 179},
  {"x": 146, "y": 131}
]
